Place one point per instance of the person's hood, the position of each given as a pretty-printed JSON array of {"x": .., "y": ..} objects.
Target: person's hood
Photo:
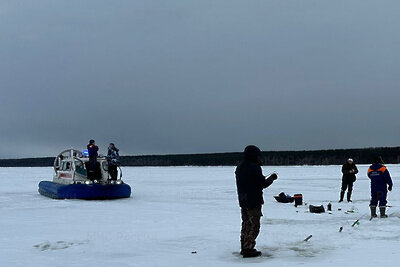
[
  {"x": 378, "y": 160},
  {"x": 252, "y": 154}
]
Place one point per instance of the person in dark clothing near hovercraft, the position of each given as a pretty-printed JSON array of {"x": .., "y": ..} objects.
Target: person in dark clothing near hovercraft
[
  {"x": 250, "y": 183},
  {"x": 92, "y": 150},
  {"x": 113, "y": 160},
  {"x": 381, "y": 182},
  {"x": 349, "y": 170}
]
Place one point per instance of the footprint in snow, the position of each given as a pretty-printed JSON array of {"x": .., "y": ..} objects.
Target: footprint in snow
[{"x": 57, "y": 245}]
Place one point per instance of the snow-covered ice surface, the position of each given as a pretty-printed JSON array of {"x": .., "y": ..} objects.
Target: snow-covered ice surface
[{"x": 176, "y": 211}]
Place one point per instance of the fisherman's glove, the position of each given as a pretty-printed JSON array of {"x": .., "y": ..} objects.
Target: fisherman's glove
[
  {"x": 390, "y": 188},
  {"x": 274, "y": 176}
]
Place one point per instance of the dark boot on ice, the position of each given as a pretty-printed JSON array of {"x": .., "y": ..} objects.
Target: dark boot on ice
[
  {"x": 382, "y": 210},
  {"x": 243, "y": 251},
  {"x": 349, "y": 196},
  {"x": 341, "y": 196},
  {"x": 250, "y": 253},
  {"x": 373, "y": 211}
]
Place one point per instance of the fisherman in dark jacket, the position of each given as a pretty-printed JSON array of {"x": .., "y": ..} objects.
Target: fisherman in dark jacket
[
  {"x": 349, "y": 170},
  {"x": 381, "y": 182},
  {"x": 250, "y": 183},
  {"x": 92, "y": 150},
  {"x": 113, "y": 161}
]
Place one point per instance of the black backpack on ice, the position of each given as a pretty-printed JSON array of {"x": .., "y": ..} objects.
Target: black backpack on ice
[{"x": 316, "y": 209}]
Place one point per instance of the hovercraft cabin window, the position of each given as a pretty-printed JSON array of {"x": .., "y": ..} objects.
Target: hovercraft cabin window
[{"x": 65, "y": 166}]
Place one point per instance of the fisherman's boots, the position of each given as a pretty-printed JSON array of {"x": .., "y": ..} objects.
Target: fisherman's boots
[
  {"x": 250, "y": 253},
  {"x": 373, "y": 211},
  {"x": 382, "y": 210},
  {"x": 349, "y": 196},
  {"x": 341, "y": 196}
]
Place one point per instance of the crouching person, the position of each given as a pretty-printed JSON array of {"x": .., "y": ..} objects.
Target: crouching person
[
  {"x": 381, "y": 182},
  {"x": 250, "y": 183}
]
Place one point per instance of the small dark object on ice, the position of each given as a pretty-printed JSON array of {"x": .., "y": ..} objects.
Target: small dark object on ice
[
  {"x": 308, "y": 238},
  {"x": 357, "y": 221},
  {"x": 194, "y": 252},
  {"x": 340, "y": 229},
  {"x": 298, "y": 199},
  {"x": 316, "y": 209}
]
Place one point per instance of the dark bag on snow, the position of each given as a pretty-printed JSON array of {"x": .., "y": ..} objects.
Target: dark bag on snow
[
  {"x": 316, "y": 209},
  {"x": 283, "y": 198}
]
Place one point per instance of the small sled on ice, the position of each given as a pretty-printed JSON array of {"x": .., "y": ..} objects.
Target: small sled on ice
[
  {"x": 284, "y": 198},
  {"x": 70, "y": 179}
]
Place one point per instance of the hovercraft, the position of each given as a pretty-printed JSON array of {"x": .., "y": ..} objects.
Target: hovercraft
[{"x": 70, "y": 179}]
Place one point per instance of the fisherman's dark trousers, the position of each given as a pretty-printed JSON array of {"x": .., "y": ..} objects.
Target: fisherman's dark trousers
[
  {"x": 378, "y": 196},
  {"x": 346, "y": 184},
  {"x": 250, "y": 227},
  {"x": 113, "y": 171},
  {"x": 92, "y": 168}
]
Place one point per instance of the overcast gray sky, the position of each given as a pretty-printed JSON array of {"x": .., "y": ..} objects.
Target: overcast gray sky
[{"x": 166, "y": 77}]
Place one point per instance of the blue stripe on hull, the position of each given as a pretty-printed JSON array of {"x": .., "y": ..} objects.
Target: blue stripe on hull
[{"x": 84, "y": 191}]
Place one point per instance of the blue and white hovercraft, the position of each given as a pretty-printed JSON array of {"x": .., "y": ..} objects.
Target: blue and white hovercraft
[{"x": 70, "y": 179}]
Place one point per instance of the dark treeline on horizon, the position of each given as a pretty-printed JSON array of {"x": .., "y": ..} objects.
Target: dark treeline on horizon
[{"x": 390, "y": 155}]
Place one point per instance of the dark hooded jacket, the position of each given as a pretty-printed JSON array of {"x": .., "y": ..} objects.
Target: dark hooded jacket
[
  {"x": 250, "y": 181},
  {"x": 347, "y": 176}
]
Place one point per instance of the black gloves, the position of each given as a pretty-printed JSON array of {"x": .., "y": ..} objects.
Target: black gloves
[
  {"x": 274, "y": 176},
  {"x": 390, "y": 188}
]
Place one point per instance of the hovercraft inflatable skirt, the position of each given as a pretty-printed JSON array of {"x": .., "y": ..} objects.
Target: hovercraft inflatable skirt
[{"x": 84, "y": 191}]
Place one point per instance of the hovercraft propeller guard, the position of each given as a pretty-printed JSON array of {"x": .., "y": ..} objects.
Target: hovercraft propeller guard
[{"x": 70, "y": 179}]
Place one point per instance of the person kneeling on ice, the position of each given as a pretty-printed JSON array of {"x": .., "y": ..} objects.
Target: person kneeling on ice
[
  {"x": 250, "y": 183},
  {"x": 381, "y": 182}
]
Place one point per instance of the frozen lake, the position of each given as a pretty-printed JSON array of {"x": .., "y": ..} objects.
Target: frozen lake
[{"x": 175, "y": 211}]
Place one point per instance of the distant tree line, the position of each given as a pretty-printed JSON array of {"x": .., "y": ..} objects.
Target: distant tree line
[
  {"x": 272, "y": 158},
  {"x": 27, "y": 162}
]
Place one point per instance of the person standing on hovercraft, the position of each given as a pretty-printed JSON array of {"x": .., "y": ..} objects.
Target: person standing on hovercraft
[
  {"x": 92, "y": 150},
  {"x": 113, "y": 160},
  {"x": 381, "y": 182}
]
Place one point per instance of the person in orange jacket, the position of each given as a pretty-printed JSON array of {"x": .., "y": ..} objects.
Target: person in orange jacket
[{"x": 381, "y": 182}]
